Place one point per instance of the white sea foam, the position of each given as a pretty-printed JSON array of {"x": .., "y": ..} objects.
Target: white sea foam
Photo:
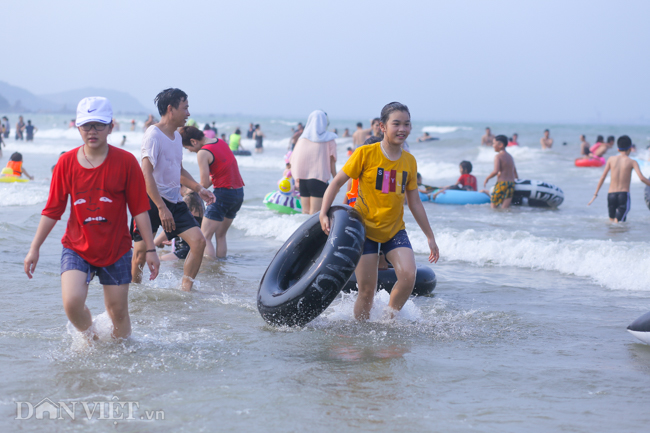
[
  {"x": 249, "y": 144},
  {"x": 343, "y": 310},
  {"x": 615, "y": 265},
  {"x": 285, "y": 122},
  {"x": 437, "y": 171},
  {"x": 519, "y": 153},
  {"x": 259, "y": 221},
  {"x": 23, "y": 194},
  {"x": 445, "y": 129}
]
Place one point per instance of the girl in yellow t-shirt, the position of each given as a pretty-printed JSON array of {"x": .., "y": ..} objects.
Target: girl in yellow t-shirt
[{"x": 386, "y": 175}]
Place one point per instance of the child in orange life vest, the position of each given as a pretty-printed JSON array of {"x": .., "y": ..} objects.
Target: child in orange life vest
[
  {"x": 16, "y": 164},
  {"x": 386, "y": 175}
]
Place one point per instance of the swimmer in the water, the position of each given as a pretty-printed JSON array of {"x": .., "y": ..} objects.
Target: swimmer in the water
[
  {"x": 585, "y": 153},
  {"x": 359, "y": 135},
  {"x": 621, "y": 166},
  {"x": 426, "y": 137},
  {"x": 514, "y": 141},
  {"x": 487, "y": 138},
  {"x": 123, "y": 141},
  {"x": 546, "y": 141}
]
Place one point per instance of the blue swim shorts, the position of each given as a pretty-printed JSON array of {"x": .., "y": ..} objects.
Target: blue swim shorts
[
  {"x": 114, "y": 275},
  {"x": 227, "y": 204},
  {"x": 400, "y": 240}
]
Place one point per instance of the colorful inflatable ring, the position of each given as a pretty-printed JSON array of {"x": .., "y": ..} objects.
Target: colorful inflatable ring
[
  {"x": 597, "y": 161},
  {"x": 283, "y": 203}
]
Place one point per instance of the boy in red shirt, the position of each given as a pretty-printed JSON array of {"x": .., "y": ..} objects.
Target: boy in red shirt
[
  {"x": 101, "y": 181},
  {"x": 466, "y": 181}
]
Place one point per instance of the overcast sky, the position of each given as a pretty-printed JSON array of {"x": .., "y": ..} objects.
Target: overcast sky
[{"x": 492, "y": 60}]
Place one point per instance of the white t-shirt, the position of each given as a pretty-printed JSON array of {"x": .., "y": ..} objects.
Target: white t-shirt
[{"x": 166, "y": 156}]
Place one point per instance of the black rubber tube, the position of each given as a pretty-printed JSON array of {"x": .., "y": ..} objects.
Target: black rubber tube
[
  {"x": 310, "y": 269},
  {"x": 642, "y": 324},
  {"x": 425, "y": 281}
]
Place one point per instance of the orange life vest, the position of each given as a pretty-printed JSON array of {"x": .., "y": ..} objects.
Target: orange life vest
[
  {"x": 353, "y": 193},
  {"x": 16, "y": 166}
]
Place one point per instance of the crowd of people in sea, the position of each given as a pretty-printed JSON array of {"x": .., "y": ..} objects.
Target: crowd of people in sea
[{"x": 380, "y": 176}]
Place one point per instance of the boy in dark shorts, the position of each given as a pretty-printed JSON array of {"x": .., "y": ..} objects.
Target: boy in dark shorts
[
  {"x": 101, "y": 181},
  {"x": 162, "y": 156},
  {"x": 621, "y": 166},
  {"x": 506, "y": 172}
]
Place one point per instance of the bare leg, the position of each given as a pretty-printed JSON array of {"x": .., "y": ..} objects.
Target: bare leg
[
  {"x": 138, "y": 260},
  {"x": 220, "y": 233},
  {"x": 316, "y": 204},
  {"x": 403, "y": 261},
  {"x": 74, "y": 291},
  {"x": 506, "y": 203},
  {"x": 208, "y": 227},
  {"x": 196, "y": 241},
  {"x": 116, "y": 300},
  {"x": 306, "y": 203},
  {"x": 366, "y": 273}
]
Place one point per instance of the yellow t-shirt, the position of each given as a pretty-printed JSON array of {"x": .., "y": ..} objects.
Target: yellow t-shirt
[{"x": 382, "y": 186}]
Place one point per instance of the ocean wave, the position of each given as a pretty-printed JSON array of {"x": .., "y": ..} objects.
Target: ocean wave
[
  {"x": 285, "y": 122},
  {"x": 438, "y": 171},
  {"x": 23, "y": 194},
  {"x": 249, "y": 144},
  {"x": 259, "y": 221},
  {"x": 487, "y": 153},
  {"x": 615, "y": 265},
  {"x": 445, "y": 129}
]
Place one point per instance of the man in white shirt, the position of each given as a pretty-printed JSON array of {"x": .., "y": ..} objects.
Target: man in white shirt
[{"x": 162, "y": 155}]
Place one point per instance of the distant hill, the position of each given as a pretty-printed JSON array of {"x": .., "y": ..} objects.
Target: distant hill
[
  {"x": 121, "y": 102},
  {"x": 4, "y": 104},
  {"x": 21, "y": 100}
]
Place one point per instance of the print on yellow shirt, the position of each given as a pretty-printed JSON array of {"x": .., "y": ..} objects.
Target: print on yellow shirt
[{"x": 382, "y": 186}]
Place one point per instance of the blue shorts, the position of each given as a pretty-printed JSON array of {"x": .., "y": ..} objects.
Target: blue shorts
[
  {"x": 400, "y": 240},
  {"x": 227, "y": 204},
  {"x": 114, "y": 275}
]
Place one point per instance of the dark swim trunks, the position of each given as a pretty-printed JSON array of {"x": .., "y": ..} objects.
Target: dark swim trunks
[
  {"x": 180, "y": 212},
  {"x": 400, "y": 240},
  {"x": 618, "y": 204}
]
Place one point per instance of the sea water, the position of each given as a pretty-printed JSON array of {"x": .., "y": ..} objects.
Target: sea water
[{"x": 526, "y": 330}]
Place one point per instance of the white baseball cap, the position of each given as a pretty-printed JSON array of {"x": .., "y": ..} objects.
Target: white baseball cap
[{"x": 94, "y": 109}]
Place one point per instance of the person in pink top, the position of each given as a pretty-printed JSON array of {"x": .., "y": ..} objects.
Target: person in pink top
[
  {"x": 208, "y": 131},
  {"x": 218, "y": 167},
  {"x": 313, "y": 161}
]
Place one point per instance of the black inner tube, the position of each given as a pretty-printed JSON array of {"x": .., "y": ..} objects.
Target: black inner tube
[{"x": 310, "y": 269}]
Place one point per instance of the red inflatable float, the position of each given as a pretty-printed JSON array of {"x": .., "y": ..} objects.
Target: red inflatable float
[{"x": 597, "y": 161}]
